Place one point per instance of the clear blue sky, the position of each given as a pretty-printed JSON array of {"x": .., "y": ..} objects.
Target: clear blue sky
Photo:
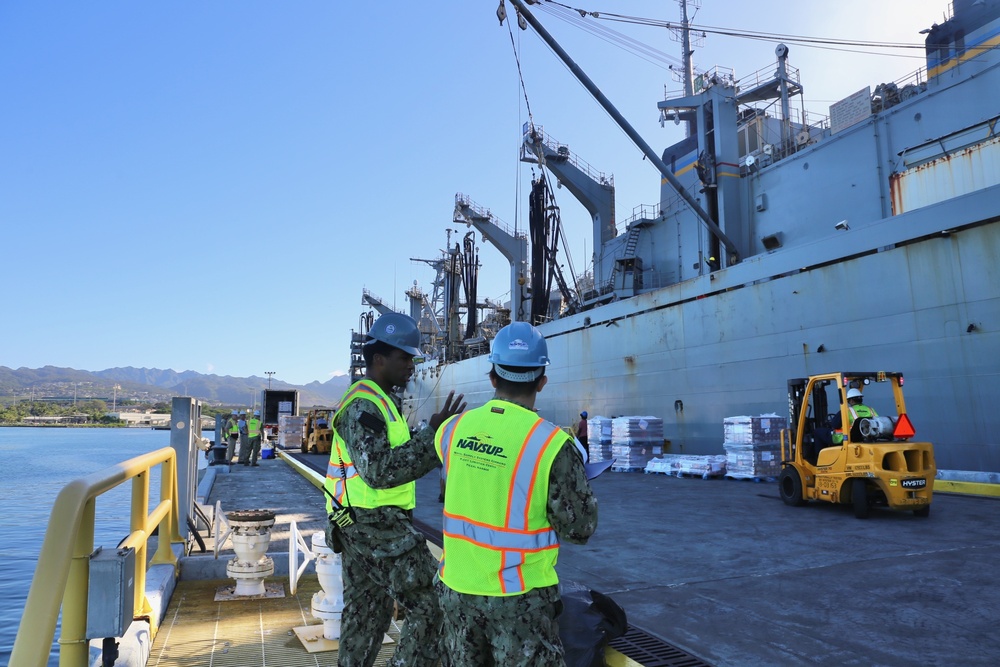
[{"x": 208, "y": 186}]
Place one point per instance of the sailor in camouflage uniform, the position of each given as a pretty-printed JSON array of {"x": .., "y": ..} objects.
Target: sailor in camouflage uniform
[
  {"x": 516, "y": 487},
  {"x": 373, "y": 466}
]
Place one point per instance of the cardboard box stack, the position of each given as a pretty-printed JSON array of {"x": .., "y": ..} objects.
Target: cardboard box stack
[
  {"x": 636, "y": 440},
  {"x": 599, "y": 438},
  {"x": 290, "y": 429},
  {"x": 753, "y": 445}
]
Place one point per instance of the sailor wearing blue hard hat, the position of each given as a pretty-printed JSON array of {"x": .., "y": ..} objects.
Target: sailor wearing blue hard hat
[{"x": 516, "y": 486}]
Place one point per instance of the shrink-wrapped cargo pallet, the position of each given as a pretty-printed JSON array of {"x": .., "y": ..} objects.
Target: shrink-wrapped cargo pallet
[
  {"x": 599, "y": 438},
  {"x": 760, "y": 430},
  {"x": 753, "y": 446},
  {"x": 758, "y": 461},
  {"x": 635, "y": 440},
  {"x": 290, "y": 428},
  {"x": 681, "y": 465}
]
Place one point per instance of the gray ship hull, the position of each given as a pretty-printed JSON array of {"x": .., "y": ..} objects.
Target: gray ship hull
[{"x": 723, "y": 345}]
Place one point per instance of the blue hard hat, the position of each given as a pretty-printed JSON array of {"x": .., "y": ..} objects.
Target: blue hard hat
[
  {"x": 522, "y": 346},
  {"x": 256, "y": 413},
  {"x": 584, "y": 414},
  {"x": 399, "y": 331},
  {"x": 234, "y": 412}
]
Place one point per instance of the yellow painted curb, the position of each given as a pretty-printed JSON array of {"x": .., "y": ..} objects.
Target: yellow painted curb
[
  {"x": 968, "y": 488},
  {"x": 314, "y": 477},
  {"x": 615, "y": 659}
]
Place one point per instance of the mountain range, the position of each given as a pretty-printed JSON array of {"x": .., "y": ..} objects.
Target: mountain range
[{"x": 154, "y": 385}]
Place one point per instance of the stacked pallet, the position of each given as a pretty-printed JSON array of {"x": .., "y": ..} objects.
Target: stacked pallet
[
  {"x": 753, "y": 445},
  {"x": 635, "y": 440},
  {"x": 290, "y": 429},
  {"x": 599, "y": 438}
]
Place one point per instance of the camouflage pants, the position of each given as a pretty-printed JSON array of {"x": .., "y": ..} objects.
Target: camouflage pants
[
  {"x": 244, "y": 448},
  {"x": 514, "y": 631},
  {"x": 253, "y": 449},
  {"x": 384, "y": 559},
  {"x": 230, "y": 448}
]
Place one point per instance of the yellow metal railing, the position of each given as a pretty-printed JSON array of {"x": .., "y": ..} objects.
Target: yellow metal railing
[{"x": 62, "y": 577}]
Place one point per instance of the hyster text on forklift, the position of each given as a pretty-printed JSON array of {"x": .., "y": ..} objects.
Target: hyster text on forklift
[{"x": 855, "y": 454}]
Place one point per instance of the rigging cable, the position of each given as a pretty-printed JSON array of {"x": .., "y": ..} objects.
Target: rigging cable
[
  {"x": 531, "y": 124},
  {"x": 569, "y": 14},
  {"x": 520, "y": 75}
]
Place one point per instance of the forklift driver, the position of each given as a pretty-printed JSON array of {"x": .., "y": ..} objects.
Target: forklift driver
[{"x": 856, "y": 408}]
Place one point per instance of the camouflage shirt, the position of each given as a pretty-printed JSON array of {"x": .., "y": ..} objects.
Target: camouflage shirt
[
  {"x": 378, "y": 464},
  {"x": 572, "y": 505}
]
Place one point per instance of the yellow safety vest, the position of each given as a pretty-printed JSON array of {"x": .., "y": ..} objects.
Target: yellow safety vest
[
  {"x": 234, "y": 427},
  {"x": 497, "y": 537},
  {"x": 340, "y": 468},
  {"x": 861, "y": 411},
  {"x": 253, "y": 427}
]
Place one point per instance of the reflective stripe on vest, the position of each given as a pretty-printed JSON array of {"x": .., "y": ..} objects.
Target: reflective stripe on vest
[
  {"x": 253, "y": 427},
  {"x": 490, "y": 549},
  {"x": 340, "y": 468}
]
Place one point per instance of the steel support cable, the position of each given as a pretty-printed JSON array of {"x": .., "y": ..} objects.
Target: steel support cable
[
  {"x": 829, "y": 44},
  {"x": 623, "y": 41},
  {"x": 659, "y": 23},
  {"x": 520, "y": 74}
]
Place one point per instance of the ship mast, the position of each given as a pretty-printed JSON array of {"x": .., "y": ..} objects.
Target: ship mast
[{"x": 686, "y": 53}]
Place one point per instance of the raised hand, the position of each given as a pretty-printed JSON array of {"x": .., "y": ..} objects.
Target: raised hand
[{"x": 452, "y": 406}]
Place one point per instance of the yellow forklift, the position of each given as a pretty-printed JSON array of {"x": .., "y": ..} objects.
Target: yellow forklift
[
  {"x": 853, "y": 455},
  {"x": 318, "y": 437}
]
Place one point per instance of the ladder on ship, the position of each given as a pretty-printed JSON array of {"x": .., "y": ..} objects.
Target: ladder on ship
[{"x": 631, "y": 244}]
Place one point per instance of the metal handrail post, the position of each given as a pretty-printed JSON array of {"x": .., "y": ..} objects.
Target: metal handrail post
[
  {"x": 74, "y": 650},
  {"x": 138, "y": 519},
  {"x": 172, "y": 491}
]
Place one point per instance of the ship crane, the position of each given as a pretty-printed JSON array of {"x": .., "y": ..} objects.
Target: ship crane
[
  {"x": 594, "y": 190},
  {"x": 512, "y": 244},
  {"x": 641, "y": 144}
]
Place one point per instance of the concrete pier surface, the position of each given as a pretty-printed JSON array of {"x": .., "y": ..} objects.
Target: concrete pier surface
[{"x": 725, "y": 571}]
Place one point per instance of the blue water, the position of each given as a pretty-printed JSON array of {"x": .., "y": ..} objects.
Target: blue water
[{"x": 35, "y": 464}]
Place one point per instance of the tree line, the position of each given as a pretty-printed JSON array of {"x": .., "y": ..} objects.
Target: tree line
[{"x": 95, "y": 411}]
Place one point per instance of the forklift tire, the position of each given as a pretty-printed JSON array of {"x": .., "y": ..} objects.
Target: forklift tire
[
  {"x": 859, "y": 497},
  {"x": 923, "y": 511},
  {"x": 790, "y": 486}
]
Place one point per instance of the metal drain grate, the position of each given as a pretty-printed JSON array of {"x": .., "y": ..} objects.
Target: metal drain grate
[{"x": 650, "y": 651}]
